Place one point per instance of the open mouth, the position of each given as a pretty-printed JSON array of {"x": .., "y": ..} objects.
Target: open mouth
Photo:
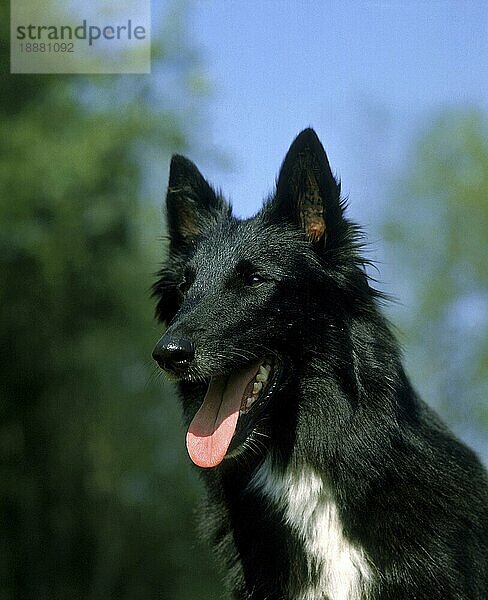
[{"x": 230, "y": 410}]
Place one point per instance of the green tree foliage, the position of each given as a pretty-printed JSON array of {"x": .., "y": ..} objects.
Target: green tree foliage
[
  {"x": 96, "y": 495},
  {"x": 438, "y": 232}
]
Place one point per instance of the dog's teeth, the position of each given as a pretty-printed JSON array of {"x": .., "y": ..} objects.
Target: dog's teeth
[
  {"x": 264, "y": 372},
  {"x": 261, "y": 377},
  {"x": 249, "y": 402},
  {"x": 257, "y": 387}
]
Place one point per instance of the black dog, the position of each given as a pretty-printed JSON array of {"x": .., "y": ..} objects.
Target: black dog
[{"x": 327, "y": 477}]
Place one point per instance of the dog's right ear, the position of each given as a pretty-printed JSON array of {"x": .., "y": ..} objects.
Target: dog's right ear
[{"x": 191, "y": 203}]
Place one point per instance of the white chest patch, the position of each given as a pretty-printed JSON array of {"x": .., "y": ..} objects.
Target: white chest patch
[{"x": 309, "y": 509}]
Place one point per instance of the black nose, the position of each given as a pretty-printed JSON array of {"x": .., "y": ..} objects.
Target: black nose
[{"x": 174, "y": 354}]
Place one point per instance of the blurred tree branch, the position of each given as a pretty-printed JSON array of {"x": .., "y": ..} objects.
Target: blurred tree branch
[{"x": 437, "y": 230}]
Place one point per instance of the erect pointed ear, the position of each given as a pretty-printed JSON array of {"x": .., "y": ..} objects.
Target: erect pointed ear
[
  {"x": 191, "y": 204},
  {"x": 307, "y": 193}
]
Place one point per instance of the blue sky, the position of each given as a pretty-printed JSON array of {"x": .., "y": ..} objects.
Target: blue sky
[{"x": 366, "y": 75}]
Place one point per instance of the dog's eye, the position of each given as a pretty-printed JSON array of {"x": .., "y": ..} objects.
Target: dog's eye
[
  {"x": 183, "y": 286},
  {"x": 253, "y": 279},
  {"x": 185, "y": 283}
]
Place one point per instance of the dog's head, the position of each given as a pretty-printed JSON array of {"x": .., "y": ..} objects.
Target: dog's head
[{"x": 244, "y": 299}]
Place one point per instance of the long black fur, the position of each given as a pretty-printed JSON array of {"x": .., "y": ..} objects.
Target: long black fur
[{"x": 408, "y": 492}]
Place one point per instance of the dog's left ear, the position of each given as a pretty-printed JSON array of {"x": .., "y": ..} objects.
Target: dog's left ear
[
  {"x": 307, "y": 192},
  {"x": 191, "y": 203}
]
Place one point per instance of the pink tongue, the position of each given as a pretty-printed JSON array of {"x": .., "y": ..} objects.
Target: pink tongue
[{"x": 212, "y": 428}]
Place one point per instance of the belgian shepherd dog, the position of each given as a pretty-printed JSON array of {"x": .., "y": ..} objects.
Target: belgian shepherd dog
[{"x": 327, "y": 477}]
